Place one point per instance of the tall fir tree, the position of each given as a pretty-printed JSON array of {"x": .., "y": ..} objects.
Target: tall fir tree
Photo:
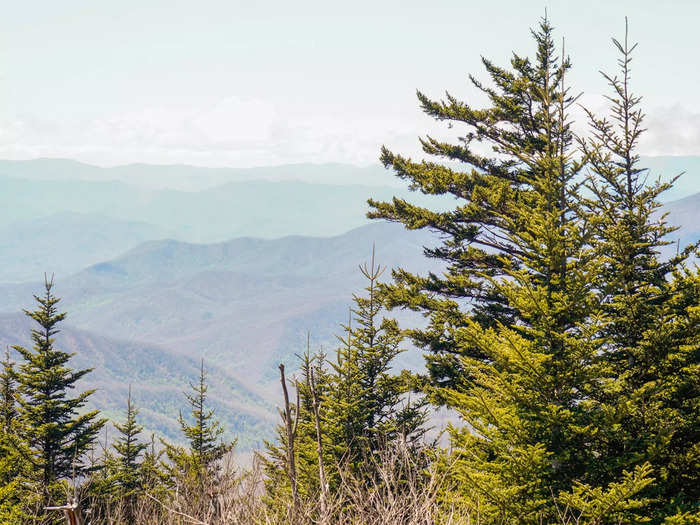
[
  {"x": 514, "y": 323},
  {"x": 648, "y": 404},
  {"x": 53, "y": 427}
]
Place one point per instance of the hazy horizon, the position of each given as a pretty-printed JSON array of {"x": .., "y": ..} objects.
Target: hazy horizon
[
  {"x": 228, "y": 84},
  {"x": 362, "y": 165}
]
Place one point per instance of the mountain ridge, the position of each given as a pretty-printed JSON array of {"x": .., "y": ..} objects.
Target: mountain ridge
[
  {"x": 253, "y": 208},
  {"x": 188, "y": 177},
  {"x": 159, "y": 379},
  {"x": 192, "y": 177},
  {"x": 244, "y": 302}
]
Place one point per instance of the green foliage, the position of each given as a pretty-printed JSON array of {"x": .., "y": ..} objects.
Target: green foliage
[
  {"x": 204, "y": 436},
  {"x": 114, "y": 487},
  {"x": 8, "y": 393},
  {"x": 567, "y": 346},
  {"x": 53, "y": 432},
  {"x": 276, "y": 461},
  {"x": 350, "y": 408},
  {"x": 153, "y": 477},
  {"x": 648, "y": 403},
  {"x": 129, "y": 450},
  {"x": 11, "y": 463},
  {"x": 611, "y": 504},
  {"x": 365, "y": 405}
]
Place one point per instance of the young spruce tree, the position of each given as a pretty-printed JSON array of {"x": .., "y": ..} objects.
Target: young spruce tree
[
  {"x": 366, "y": 405},
  {"x": 128, "y": 450},
  {"x": 206, "y": 447},
  {"x": 349, "y": 408}
]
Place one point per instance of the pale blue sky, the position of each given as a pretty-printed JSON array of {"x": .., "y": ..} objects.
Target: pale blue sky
[{"x": 252, "y": 83}]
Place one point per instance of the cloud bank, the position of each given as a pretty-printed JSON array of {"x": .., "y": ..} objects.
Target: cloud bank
[{"x": 241, "y": 132}]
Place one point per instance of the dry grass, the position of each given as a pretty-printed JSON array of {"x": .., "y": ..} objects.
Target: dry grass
[{"x": 400, "y": 493}]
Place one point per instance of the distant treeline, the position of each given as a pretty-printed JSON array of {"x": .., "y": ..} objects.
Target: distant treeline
[{"x": 565, "y": 344}]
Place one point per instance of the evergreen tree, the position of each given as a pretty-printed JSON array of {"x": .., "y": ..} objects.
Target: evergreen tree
[
  {"x": 129, "y": 450},
  {"x": 153, "y": 478},
  {"x": 193, "y": 471},
  {"x": 354, "y": 404},
  {"x": 8, "y": 390},
  {"x": 498, "y": 226},
  {"x": 54, "y": 431},
  {"x": 11, "y": 463},
  {"x": 204, "y": 435},
  {"x": 514, "y": 321},
  {"x": 366, "y": 406},
  {"x": 115, "y": 485},
  {"x": 649, "y": 402},
  {"x": 306, "y": 464}
]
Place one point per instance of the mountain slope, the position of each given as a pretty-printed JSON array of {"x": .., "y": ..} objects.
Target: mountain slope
[
  {"x": 197, "y": 178},
  {"x": 158, "y": 378},
  {"x": 66, "y": 242},
  {"x": 686, "y": 214},
  {"x": 245, "y": 304}
]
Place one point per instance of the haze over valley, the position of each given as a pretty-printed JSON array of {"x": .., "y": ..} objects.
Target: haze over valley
[{"x": 160, "y": 266}]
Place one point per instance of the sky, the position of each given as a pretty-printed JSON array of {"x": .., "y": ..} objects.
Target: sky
[{"x": 231, "y": 83}]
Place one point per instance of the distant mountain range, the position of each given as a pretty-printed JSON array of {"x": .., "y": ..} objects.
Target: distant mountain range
[
  {"x": 152, "y": 281},
  {"x": 61, "y": 216},
  {"x": 685, "y": 214},
  {"x": 195, "y": 178},
  {"x": 244, "y": 306},
  {"x": 43, "y": 210}
]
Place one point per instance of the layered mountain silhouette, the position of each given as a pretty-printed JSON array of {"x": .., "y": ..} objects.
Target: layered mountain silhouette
[
  {"x": 146, "y": 302},
  {"x": 243, "y": 306}
]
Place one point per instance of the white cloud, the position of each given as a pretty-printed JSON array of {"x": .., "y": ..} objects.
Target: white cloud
[
  {"x": 237, "y": 131},
  {"x": 669, "y": 130},
  {"x": 672, "y": 130},
  {"x": 232, "y": 131}
]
